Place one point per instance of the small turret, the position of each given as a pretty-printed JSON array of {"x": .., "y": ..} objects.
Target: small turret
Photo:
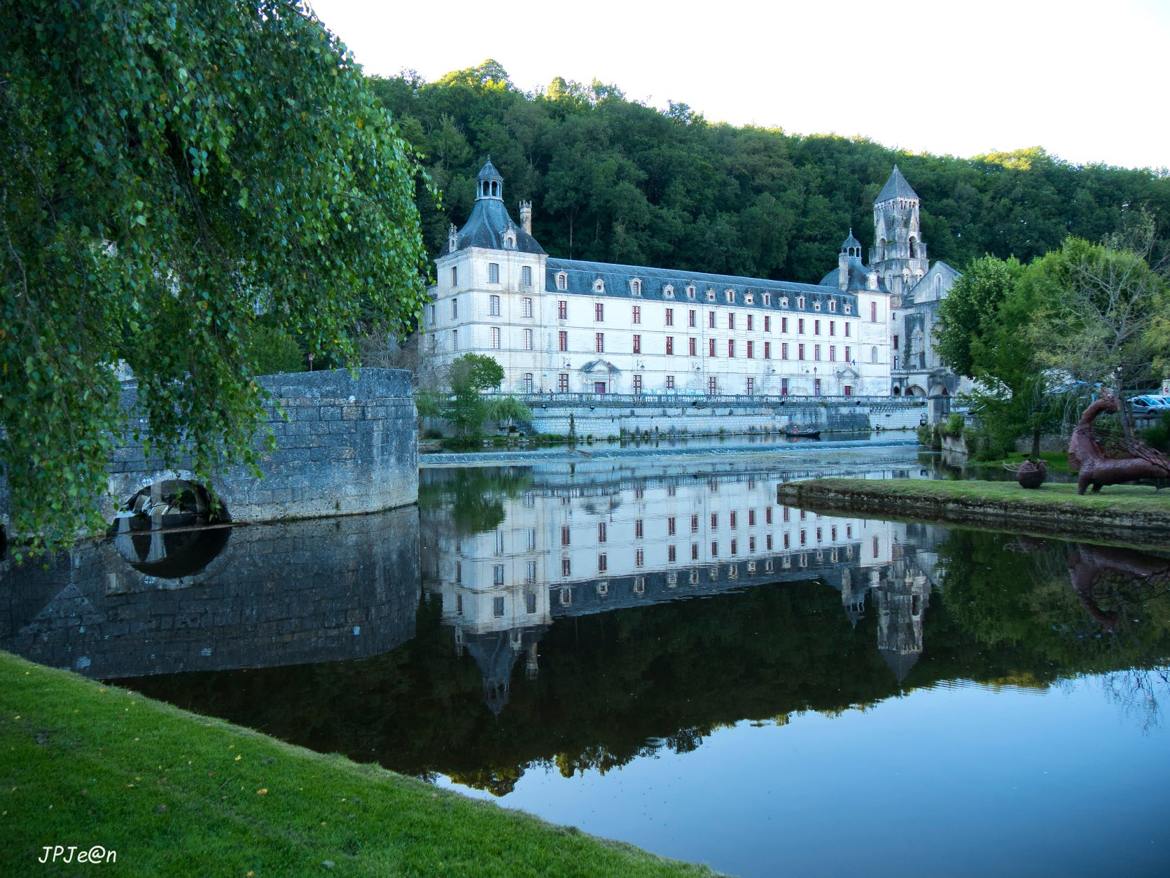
[
  {"x": 850, "y": 249},
  {"x": 489, "y": 183}
]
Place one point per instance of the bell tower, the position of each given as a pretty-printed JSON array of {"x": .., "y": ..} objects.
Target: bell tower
[{"x": 899, "y": 253}]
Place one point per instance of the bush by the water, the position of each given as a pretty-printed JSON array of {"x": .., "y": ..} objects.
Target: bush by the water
[{"x": 274, "y": 350}]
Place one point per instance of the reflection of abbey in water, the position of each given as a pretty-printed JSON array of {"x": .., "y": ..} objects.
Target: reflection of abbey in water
[{"x": 570, "y": 550}]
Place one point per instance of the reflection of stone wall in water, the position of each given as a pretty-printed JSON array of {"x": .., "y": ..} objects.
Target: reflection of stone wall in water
[{"x": 279, "y": 594}]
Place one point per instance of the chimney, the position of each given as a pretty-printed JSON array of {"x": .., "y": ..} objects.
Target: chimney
[{"x": 526, "y": 216}]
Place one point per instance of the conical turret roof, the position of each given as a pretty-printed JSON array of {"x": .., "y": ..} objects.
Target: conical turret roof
[{"x": 896, "y": 187}]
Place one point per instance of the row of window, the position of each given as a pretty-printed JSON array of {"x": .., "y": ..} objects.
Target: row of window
[
  {"x": 527, "y": 310},
  {"x": 494, "y": 275},
  {"x": 692, "y": 319},
  {"x": 750, "y": 347},
  {"x": 603, "y": 528},
  {"x": 730, "y": 296}
]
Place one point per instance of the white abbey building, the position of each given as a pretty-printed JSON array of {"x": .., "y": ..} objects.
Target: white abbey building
[{"x": 566, "y": 325}]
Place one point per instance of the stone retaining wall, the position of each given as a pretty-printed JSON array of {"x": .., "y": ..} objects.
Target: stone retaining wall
[
  {"x": 707, "y": 420},
  {"x": 348, "y": 445}
]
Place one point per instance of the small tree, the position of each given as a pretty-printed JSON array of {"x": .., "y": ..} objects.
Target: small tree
[{"x": 463, "y": 405}]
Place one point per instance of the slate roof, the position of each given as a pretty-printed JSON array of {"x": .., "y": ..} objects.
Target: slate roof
[
  {"x": 488, "y": 172},
  {"x": 858, "y": 275},
  {"x": 486, "y": 226},
  {"x": 896, "y": 187},
  {"x": 581, "y": 275}
]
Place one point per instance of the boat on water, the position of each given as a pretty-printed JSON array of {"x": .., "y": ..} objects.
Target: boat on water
[{"x": 793, "y": 431}]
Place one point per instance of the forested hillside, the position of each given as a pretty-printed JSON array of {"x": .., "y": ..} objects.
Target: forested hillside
[{"x": 614, "y": 180}]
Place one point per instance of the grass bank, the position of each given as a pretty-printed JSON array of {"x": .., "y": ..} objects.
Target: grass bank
[
  {"x": 1056, "y": 461},
  {"x": 174, "y": 793},
  {"x": 1130, "y": 514}
]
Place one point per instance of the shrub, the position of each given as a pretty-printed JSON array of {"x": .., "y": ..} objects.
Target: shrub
[{"x": 273, "y": 350}]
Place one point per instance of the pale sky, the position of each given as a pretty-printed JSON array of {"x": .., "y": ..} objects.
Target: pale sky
[{"x": 1085, "y": 80}]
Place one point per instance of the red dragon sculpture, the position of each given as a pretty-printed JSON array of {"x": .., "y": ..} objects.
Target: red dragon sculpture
[{"x": 1095, "y": 467}]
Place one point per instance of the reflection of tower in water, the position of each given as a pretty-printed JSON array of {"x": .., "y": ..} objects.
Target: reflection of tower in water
[{"x": 901, "y": 601}]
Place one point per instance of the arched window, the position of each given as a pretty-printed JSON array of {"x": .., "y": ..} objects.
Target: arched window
[
  {"x": 486, "y": 188},
  {"x": 691, "y": 291},
  {"x": 873, "y": 356},
  {"x": 636, "y": 287},
  {"x": 509, "y": 240},
  {"x": 913, "y": 248},
  {"x": 562, "y": 281},
  {"x": 495, "y": 188},
  {"x": 668, "y": 291},
  {"x": 800, "y": 302}
]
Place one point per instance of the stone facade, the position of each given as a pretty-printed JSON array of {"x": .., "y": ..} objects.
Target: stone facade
[{"x": 344, "y": 445}]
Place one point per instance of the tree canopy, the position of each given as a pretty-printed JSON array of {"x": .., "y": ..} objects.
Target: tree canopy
[
  {"x": 614, "y": 180},
  {"x": 174, "y": 171}
]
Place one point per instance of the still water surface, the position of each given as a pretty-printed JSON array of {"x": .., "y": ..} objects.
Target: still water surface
[{"x": 660, "y": 653}]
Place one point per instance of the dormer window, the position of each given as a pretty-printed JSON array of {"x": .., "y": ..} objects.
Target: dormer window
[
  {"x": 748, "y": 299},
  {"x": 833, "y": 305},
  {"x": 729, "y": 295},
  {"x": 783, "y": 301},
  {"x": 668, "y": 292},
  {"x": 848, "y": 308},
  {"x": 800, "y": 302},
  {"x": 510, "y": 240},
  {"x": 710, "y": 295},
  {"x": 562, "y": 281},
  {"x": 767, "y": 299},
  {"x": 817, "y": 305},
  {"x": 635, "y": 287},
  {"x": 691, "y": 292},
  {"x": 598, "y": 285}
]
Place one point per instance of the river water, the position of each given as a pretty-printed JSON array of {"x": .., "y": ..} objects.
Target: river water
[{"x": 654, "y": 650}]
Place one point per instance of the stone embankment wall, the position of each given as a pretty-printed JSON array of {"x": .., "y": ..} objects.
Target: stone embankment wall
[
  {"x": 603, "y": 421},
  {"x": 275, "y": 594},
  {"x": 348, "y": 445}
]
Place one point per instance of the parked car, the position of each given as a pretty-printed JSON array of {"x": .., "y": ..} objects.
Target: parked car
[{"x": 1149, "y": 404}]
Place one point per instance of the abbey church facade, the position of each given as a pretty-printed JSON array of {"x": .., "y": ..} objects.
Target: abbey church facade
[{"x": 575, "y": 326}]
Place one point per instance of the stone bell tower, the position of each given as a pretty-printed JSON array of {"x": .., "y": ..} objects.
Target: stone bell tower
[{"x": 899, "y": 253}]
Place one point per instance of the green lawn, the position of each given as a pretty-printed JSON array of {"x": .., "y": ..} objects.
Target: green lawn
[
  {"x": 1057, "y": 461},
  {"x": 179, "y": 794},
  {"x": 1130, "y": 515}
]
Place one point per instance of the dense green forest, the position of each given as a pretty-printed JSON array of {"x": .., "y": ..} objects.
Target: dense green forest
[{"x": 614, "y": 180}]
